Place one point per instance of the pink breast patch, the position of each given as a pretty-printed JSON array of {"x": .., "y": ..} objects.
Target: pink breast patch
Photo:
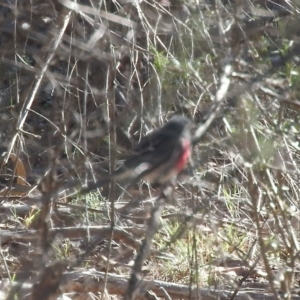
[{"x": 183, "y": 159}]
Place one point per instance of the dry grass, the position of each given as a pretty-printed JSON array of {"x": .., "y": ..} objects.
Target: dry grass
[{"x": 80, "y": 84}]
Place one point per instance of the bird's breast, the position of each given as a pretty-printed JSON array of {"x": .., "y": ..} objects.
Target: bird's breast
[{"x": 184, "y": 157}]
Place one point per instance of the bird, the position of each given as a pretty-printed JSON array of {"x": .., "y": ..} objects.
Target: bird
[{"x": 159, "y": 156}]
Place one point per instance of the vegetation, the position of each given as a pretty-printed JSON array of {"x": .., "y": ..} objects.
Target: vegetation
[{"x": 82, "y": 82}]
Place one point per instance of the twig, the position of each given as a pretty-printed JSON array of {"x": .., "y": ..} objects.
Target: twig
[{"x": 153, "y": 226}]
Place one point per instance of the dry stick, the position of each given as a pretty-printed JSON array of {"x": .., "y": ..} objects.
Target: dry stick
[
  {"x": 85, "y": 146},
  {"x": 214, "y": 112},
  {"x": 112, "y": 193},
  {"x": 4, "y": 262},
  {"x": 153, "y": 226}
]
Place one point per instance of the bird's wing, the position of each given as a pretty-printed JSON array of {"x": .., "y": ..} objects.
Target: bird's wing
[{"x": 153, "y": 149}]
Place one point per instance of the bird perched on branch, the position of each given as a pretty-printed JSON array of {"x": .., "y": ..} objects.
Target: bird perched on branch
[{"x": 159, "y": 157}]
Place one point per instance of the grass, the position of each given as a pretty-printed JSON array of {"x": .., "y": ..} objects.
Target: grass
[{"x": 251, "y": 147}]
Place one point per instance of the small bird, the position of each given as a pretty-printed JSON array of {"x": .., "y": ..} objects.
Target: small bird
[{"x": 159, "y": 157}]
